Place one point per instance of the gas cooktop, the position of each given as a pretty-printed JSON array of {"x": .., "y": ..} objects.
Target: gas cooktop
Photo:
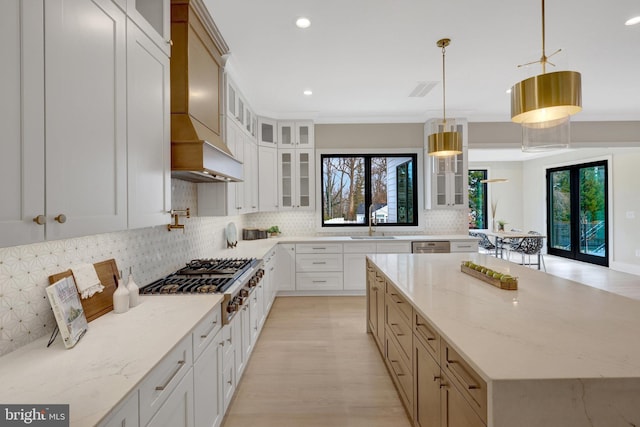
[{"x": 213, "y": 275}]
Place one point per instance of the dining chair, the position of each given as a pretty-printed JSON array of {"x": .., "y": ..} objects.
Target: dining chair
[
  {"x": 531, "y": 246},
  {"x": 484, "y": 241}
]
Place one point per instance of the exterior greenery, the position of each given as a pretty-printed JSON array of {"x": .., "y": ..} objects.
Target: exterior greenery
[
  {"x": 477, "y": 199},
  {"x": 352, "y": 183}
]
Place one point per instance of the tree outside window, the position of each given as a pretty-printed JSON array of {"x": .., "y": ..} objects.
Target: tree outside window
[{"x": 353, "y": 183}]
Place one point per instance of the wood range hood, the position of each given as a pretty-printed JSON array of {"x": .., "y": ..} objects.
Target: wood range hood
[{"x": 198, "y": 54}]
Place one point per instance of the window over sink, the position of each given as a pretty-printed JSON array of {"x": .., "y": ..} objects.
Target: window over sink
[{"x": 357, "y": 185}]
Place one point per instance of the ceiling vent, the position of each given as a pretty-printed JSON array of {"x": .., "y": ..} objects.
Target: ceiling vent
[{"x": 422, "y": 89}]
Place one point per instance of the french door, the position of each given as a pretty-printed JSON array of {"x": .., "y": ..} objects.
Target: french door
[{"x": 577, "y": 213}]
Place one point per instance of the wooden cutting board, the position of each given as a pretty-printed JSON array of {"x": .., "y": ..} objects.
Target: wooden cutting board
[{"x": 100, "y": 303}]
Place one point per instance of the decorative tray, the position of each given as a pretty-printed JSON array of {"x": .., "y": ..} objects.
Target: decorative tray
[{"x": 495, "y": 278}]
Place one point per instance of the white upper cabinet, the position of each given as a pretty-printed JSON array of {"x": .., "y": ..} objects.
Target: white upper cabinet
[
  {"x": 295, "y": 134},
  {"x": 250, "y": 183},
  {"x": 78, "y": 105},
  {"x": 237, "y": 108},
  {"x": 148, "y": 133},
  {"x": 296, "y": 179},
  {"x": 154, "y": 19},
  {"x": 22, "y": 123},
  {"x": 73, "y": 84},
  {"x": 267, "y": 178},
  {"x": 85, "y": 110},
  {"x": 267, "y": 132},
  {"x": 447, "y": 181}
]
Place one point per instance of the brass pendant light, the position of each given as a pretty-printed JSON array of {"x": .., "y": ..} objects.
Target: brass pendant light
[
  {"x": 444, "y": 143},
  {"x": 544, "y": 103}
]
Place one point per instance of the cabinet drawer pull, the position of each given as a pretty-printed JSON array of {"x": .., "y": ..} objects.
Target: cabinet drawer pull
[
  {"x": 321, "y": 249},
  {"x": 164, "y": 386},
  {"x": 398, "y": 372},
  {"x": 396, "y": 299},
  {"x": 422, "y": 327},
  {"x": 318, "y": 281},
  {"x": 215, "y": 322},
  {"x": 395, "y": 332},
  {"x": 318, "y": 262},
  {"x": 463, "y": 375}
]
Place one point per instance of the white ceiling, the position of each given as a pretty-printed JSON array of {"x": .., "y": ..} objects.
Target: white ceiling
[{"x": 362, "y": 58}]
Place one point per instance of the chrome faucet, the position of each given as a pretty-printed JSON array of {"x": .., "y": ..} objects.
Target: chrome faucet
[{"x": 372, "y": 220}]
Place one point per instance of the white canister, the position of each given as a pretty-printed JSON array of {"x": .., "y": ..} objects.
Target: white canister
[
  {"x": 120, "y": 297},
  {"x": 134, "y": 291}
]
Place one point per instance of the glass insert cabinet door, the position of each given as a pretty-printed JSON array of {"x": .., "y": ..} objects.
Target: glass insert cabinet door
[
  {"x": 578, "y": 212},
  {"x": 296, "y": 178}
]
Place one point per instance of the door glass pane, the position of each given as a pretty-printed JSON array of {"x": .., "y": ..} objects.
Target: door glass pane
[
  {"x": 477, "y": 199},
  {"x": 304, "y": 135},
  {"x": 285, "y": 137},
  {"x": 592, "y": 210},
  {"x": 560, "y": 185}
]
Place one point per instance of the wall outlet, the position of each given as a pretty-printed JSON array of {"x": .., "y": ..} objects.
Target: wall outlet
[
  {"x": 631, "y": 214},
  {"x": 638, "y": 252}
]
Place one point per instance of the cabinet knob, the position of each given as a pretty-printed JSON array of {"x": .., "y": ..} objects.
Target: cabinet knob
[
  {"x": 40, "y": 219},
  {"x": 169, "y": 42},
  {"x": 62, "y": 218}
]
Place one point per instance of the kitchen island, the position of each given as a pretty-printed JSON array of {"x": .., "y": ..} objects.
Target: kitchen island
[{"x": 551, "y": 353}]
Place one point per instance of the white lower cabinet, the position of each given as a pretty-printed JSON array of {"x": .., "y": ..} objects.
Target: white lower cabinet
[
  {"x": 319, "y": 267},
  {"x": 228, "y": 381},
  {"x": 177, "y": 410},
  {"x": 355, "y": 273},
  {"x": 126, "y": 414},
  {"x": 285, "y": 276},
  {"x": 269, "y": 281},
  {"x": 207, "y": 386}
]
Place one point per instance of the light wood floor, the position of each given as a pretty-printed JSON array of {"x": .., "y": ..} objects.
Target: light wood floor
[{"x": 314, "y": 365}]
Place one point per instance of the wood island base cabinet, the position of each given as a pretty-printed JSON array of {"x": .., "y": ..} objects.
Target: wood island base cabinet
[{"x": 437, "y": 387}]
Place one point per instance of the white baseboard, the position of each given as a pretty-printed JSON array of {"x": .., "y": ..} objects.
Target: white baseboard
[{"x": 625, "y": 267}]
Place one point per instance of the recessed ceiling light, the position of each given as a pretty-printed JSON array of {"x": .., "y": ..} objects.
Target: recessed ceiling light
[
  {"x": 303, "y": 22},
  {"x": 308, "y": 92},
  {"x": 633, "y": 21}
]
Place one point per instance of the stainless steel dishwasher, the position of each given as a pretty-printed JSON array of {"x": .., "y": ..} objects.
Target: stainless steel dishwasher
[{"x": 431, "y": 247}]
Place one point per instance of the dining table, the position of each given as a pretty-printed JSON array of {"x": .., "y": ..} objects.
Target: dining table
[{"x": 502, "y": 236}]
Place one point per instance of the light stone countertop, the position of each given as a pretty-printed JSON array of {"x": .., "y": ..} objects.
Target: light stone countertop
[
  {"x": 112, "y": 358},
  {"x": 550, "y": 328}
]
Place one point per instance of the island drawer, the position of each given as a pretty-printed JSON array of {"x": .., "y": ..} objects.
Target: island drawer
[
  {"x": 400, "y": 302},
  {"x": 398, "y": 327},
  {"x": 427, "y": 335},
  {"x": 399, "y": 372},
  {"x": 472, "y": 387}
]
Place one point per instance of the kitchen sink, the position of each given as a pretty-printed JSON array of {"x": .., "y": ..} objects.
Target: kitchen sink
[{"x": 373, "y": 237}]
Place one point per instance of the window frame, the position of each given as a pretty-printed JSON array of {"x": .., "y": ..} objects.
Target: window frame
[{"x": 413, "y": 152}]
